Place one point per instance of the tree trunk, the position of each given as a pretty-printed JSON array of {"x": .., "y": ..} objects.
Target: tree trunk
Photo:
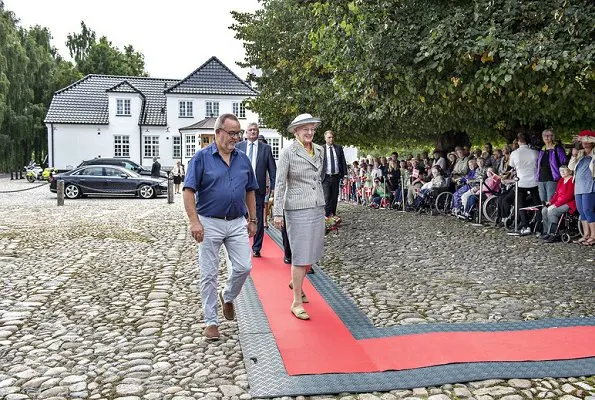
[
  {"x": 447, "y": 141},
  {"x": 532, "y": 132}
]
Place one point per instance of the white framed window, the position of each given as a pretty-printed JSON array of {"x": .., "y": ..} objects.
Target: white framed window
[
  {"x": 275, "y": 143},
  {"x": 190, "y": 145},
  {"x": 177, "y": 147},
  {"x": 239, "y": 109},
  {"x": 212, "y": 109},
  {"x": 122, "y": 146},
  {"x": 151, "y": 146},
  {"x": 185, "y": 109},
  {"x": 123, "y": 107}
]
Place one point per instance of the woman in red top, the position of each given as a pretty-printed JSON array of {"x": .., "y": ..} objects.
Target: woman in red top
[{"x": 562, "y": 201}]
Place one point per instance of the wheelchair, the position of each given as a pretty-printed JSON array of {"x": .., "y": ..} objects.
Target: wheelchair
[
  {"x": 443, "y": 198},
  {"x": 569, "y": 227},
  {"x": 426, "y": 203}
]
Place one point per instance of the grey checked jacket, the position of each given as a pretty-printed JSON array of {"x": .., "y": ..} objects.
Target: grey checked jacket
[{"x": 299, "y": 179}]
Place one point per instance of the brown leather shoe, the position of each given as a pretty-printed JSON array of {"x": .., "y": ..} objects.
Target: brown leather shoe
[
  {"x": 228, "y": 311},
  {"x": 212, "y": 332}
]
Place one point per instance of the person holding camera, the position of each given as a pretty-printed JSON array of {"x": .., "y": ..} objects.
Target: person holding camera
[{"x": 582, "y": 162}]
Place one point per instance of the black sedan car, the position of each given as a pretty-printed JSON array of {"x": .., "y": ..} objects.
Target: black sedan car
[
  {"x": 108, "y": 180},
  {"x": 122, "y": 162}
]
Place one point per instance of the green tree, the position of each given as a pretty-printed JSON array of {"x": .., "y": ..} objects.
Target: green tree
[
  {"x": 16, "y": 94},
  {"x": 79, "y": 44},
  {"x": 30, "y": 72},
  {"x": 102, "y": 57},
  {"x": 397, "y": 72}
]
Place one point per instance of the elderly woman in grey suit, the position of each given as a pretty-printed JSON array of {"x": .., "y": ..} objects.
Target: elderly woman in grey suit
[{"x": 300, "y": 197}]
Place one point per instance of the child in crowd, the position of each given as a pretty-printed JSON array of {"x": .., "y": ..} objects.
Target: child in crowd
[
  {"x": 369, "y": 182},
  {"x": 377, "y": 171},
  {"x": 416, "y": 180},
  {"x": 379, "y": 192}
]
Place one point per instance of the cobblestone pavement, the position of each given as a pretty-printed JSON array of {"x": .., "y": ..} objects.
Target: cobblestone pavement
[{"x": 98, "y": 299}]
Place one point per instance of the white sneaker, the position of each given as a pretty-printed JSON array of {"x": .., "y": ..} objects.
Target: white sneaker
[{"x": 525, "y": 231}]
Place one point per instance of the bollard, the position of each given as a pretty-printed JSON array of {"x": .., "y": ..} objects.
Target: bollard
[
  {"x": 60, "y": 187},
  {"x": 170, "y": 191}
]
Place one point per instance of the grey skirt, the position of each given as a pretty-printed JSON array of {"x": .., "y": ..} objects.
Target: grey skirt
[{"x": 305, "y": 231}]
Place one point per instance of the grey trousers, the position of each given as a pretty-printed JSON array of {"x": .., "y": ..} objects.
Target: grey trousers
[
  {"x": 234, "y": 235},
  {"x": 551, "y": 215}
]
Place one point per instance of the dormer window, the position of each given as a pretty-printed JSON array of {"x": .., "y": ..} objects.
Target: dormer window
[
  {"x": 123, "y": 107},
  {"x": 185, "y": 109}
]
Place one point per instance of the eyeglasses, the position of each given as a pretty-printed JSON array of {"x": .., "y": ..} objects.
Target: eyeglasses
[{"x": 233, "y": 134}]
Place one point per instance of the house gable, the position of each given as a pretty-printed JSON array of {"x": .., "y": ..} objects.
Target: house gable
[{"x": 213, "y": 78}]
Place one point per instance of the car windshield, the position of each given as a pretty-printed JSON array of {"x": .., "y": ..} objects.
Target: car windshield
[{"x": 134, "y": 174}]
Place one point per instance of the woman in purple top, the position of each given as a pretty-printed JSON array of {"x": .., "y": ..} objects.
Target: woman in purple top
[{"x": 549, "y": 160}]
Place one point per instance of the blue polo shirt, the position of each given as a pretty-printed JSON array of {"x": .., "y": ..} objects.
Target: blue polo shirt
[{"x": 220, "y": 189}]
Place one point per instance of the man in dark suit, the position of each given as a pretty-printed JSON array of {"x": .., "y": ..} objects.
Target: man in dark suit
[
  {"x": 155, "y": 168},
  {"x": 261, "y": 157},
  {"x": 334, "y": 169}
]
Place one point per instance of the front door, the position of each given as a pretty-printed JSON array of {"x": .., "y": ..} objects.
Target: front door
[{"x": 206, "y": 139}]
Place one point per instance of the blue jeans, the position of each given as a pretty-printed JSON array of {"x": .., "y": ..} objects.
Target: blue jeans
[
  {"x": 585, "y": 204},
  {"x": 234, "y": 235},
  {"x": 546, "y": 190}
]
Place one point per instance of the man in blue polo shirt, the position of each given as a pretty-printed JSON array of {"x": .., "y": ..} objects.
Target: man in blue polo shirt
[{"x": 219, "y": 190}]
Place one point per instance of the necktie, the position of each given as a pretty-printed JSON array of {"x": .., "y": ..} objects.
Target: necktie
[
  {"x": 333, "y": 170},
  {"x": 251, "y": 152}
]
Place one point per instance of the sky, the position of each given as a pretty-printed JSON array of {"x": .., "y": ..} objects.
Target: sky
[{"x": 175, "y": 36}]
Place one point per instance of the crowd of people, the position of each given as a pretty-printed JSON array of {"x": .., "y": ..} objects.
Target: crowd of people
[
  {"x": 552, "y": 180},
  {"x": 229, "y": 185}
]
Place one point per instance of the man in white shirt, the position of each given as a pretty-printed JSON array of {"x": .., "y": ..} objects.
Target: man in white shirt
[{"x": 524, "y": 161}]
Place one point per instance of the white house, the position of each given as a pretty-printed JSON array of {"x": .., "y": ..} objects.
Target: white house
[{"x": 140, "y": 118}]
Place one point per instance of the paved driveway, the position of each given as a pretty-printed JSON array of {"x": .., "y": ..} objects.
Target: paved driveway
[{"x": 98, "y": 298}]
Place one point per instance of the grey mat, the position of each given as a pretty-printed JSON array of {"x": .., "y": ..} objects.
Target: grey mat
[{"x": 268, "y": 378}]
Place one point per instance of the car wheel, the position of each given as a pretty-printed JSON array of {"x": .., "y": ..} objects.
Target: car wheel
[
  {"x": 146, "y": 191},
  {"x": 72, "y": 191}
]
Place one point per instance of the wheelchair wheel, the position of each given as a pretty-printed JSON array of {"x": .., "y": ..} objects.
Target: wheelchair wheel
[
  {"x": 490, "y": 209},
  {"x": 443, "y": 202},
  {"x": 566, "y": 238}
]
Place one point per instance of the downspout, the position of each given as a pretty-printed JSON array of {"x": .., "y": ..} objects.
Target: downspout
[
  {"x": 181, "y": 147},
  {"x": 52, "y": 160},
  {"x": 140, "y": 148}
]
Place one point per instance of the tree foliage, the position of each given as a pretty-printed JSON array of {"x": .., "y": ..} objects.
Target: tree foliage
[
  {"x": 31, "y": 70},
  {"x": 101, "y": 57},
  {"x": 401, "y": 71}
]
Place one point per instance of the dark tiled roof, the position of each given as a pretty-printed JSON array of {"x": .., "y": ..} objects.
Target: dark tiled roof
[
  {"x": 213, "y": 77},
  {"x": 207, "y": 123},
  {"x": 124, "y": 87},
  {"x": 86, "y": 101}
]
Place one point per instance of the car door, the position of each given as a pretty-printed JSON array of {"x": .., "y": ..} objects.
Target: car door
[
  {"x": 91, "y": 179},
  {"x": 118, "y": 181}
]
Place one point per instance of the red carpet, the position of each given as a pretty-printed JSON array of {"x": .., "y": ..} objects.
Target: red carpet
[{"x": 324, "y": 345}]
